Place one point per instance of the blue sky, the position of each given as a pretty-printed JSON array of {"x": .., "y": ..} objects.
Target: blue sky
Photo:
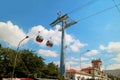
[{"x": 98, "y": 33}]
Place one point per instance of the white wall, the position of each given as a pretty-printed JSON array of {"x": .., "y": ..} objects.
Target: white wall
[
  {"x": 80, "y": 75},
  {"x": 75, "y": 76}
]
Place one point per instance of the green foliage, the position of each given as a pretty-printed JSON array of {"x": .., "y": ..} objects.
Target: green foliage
[
  {"x": 6, "y": 62},
  {"x": 52, "y": 70},
  {"x": 27, "y": 64},
  {"x": 112, "y": 77}
]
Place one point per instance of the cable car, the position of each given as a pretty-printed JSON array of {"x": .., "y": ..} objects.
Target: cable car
[
  {"x": 49, "y": 43},
  {"x": 39, "y": 39}
]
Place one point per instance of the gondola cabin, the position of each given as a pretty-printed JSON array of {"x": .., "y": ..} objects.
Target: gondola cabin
[
  {"x": 49, "y": 43},
  {"x": 39, "y": 39}
]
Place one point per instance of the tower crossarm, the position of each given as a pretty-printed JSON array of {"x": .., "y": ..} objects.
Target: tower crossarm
[{"x": 59, "y": 19}]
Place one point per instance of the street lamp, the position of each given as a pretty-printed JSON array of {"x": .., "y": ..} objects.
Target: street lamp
[
  {"x": 39, "y": 39},
  {"x": 16, "y": 55},
  {"x": 80, "y": 59},
  {"x": 81, "y": 54}
]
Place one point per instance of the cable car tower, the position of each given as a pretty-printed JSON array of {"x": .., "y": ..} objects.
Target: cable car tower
[{"x": 64, "y": 20}]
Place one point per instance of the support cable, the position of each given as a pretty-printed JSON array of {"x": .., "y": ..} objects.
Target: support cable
[
  {"x": 116, "y": 6},
  {"x": 98, "y": 13},
  {"x": 80, "y": 7}
]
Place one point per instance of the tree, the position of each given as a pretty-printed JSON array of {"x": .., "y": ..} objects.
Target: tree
[
  {"x": 52, "y": 70},
  {"x": 32, "y": 64},
  {"x": 28, "y": 64},
  {"x": 6, "y": 61}
]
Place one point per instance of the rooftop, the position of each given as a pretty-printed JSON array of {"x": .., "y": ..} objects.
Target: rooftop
[{"x": 77, "y": 71}]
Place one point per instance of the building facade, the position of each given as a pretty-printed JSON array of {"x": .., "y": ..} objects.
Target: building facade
[
  {"x": 93, "y": 72},
  {"x": 73, "y": 74}
]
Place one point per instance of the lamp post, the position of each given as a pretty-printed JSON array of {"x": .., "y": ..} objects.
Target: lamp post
[
  {"x": 80, "y": 56},
  {"x": 16, "y": 55},
  {"x": 81, "y": 60}
]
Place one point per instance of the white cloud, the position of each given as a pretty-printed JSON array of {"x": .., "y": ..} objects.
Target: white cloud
[
  {"x": 77, "y": 59},
  {"x": 92, "y": 53},
  {"x": 33, "y": 32},
  {"x": 55, "y": 35},
  {"x": 78, "y": 66},
  {"x": 11, "y": 33},
  {"x": 85, "y": 65},
  {"x": 113, "y": 47},
  {"x": 48, "y": 53},
  {"x": 46, "y": 34},
  {"x": 102, "y": 47},
  {"x": 73, "y": 59},
  {"x": 74, "y": 65},
  {"x": 70, "y": 64},
  {"x": 84, "y": 59},
  {"x": 68, "y": 39},
  {"x": 113, "y": 66},
  {"x": 117, "y": 58},
  {"x": 77, "y": 45},
  {"x": 57, "y": 63}
]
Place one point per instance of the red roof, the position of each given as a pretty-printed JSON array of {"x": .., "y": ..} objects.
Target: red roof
[
  {"x": 72, "y": 71},
  {"x": 77, "y": 71},
  {"x": 88, "y": 68}
]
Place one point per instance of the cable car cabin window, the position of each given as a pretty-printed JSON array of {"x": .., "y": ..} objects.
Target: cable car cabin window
[
  {"x": 49, "y": 43},
  {"x": 39, "y": 39}
]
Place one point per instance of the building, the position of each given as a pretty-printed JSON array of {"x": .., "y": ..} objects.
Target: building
[
  {"x": 93, "y": 72},
  {"x": 73, "y": 74}
]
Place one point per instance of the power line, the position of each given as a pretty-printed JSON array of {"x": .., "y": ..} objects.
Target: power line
[
  {"x": 80, "y": 7},
  {"x": 116, "y": 6},
  {"x": 98, "y": 13},
  {"x": 90, "y": 2}
]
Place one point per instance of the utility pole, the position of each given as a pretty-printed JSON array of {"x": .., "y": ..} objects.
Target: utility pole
[{"x": 62, "y": 19}]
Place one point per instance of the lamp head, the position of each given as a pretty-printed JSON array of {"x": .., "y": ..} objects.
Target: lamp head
[{"x": 27, "y": 37}]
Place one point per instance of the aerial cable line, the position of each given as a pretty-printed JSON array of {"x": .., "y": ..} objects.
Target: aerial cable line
[
  {"x": 106, "y": 9},
  {"x": 98, "y": 13},
  {"x": 116, "y": 6},
  {"x": 54, "y": 34},
  {"x": 80, "y": 7}
]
